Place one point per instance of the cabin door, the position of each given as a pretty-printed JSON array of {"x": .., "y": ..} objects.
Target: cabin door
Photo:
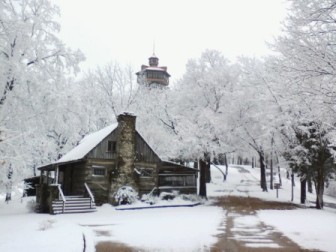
[
  {"x": 65, "y": 180},
  {"x": 68, "y": 181}
]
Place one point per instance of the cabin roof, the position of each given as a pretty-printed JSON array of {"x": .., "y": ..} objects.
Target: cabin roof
[
  {"x": 85, "y": 146},
  {"x": 89, "y": 142}
]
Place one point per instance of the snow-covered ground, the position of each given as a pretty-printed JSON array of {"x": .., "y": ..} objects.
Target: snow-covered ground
[{"x": 167, "y": 229}]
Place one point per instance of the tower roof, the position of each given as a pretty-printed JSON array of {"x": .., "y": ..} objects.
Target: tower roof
[{"x": 153, "y": 56}]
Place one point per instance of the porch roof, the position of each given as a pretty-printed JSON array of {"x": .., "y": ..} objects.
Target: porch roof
[
  {"x": 169, "y": 163},
  {"x": 53, "y": 166}
]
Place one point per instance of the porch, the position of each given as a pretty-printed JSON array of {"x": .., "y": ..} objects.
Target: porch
[
  {"x": 51, "y": 199},
  {"x": 57, "y": 193}
]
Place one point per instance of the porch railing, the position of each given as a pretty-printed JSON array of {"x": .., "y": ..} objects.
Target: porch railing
[
  {"x": 61, "y": 196},
  {"x": 90, "y": 194}
]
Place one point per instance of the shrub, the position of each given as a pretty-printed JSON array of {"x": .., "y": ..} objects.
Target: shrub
[{"x": 126, "y": 195}]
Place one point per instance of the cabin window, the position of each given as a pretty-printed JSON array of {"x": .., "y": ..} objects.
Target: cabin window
[
  {"x": 98, "y": 171},
  {"x": 177, "y": 180},
  {"x": 111, "y": 146}
]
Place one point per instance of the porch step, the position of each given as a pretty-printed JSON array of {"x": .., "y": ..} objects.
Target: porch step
[
  {"x": 73, "y": 205},
  {"x": 74, "y": 197}
]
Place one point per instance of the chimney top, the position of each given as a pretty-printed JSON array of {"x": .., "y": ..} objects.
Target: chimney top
[{"x": 126, "y": 115}]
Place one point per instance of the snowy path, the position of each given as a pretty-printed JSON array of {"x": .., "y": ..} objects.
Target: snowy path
[
  {"x": 248, "y": 226},
  {"x": 244, "y": 230}
]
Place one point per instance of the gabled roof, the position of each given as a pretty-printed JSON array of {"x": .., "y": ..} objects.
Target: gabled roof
[{"x": 87, "y": 144}]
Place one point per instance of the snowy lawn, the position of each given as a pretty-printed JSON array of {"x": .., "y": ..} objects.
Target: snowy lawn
[
  {"x": 21, "y": 230},
  {"x": 167, "y": 229},
  {"x": 311, "y": 228}
]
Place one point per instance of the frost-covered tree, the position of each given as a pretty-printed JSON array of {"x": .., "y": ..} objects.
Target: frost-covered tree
[
  {"x": 108, "y": 91},
  {"x": 34, "y": 66},
  {"x": 29, "y": 48},
  {"x": 305, "y": 69},
  {"x": 311, "y": 155},
  {"x": 157, "y": 120},
  {"x": 202, "y": 107},
  {"x": 205, "y": 103},
  {"x": 307, "y": 54},
  {"x": 255, "y": 112}
]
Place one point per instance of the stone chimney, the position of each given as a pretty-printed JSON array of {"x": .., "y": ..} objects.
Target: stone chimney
[{"x": 125, "y": 154}]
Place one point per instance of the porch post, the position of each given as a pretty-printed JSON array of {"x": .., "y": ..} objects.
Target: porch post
[
  {"x": 56, "y": 174},
  {"x": 48, "y": 174},
  {"x": 41, "y": 177}
]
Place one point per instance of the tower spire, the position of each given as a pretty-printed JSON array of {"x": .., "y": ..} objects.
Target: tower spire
[
  {"x": 153, "y": 47},
  {"x": 153, "y": 60}
]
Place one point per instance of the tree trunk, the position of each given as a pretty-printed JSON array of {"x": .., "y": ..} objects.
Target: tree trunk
[
  {"x": 293, "y": 184},
  {"x": 319, "y": 198},
  {"x": 279, "y": 170},
  {"x": 319, "y": 188},
  {"x": 303, "y": 191},
  {"x": 202, "y": 189},
  {"x": 226, "y": 166},
  {"x": 9, "y": 184},
  {"x": 252, "y": 162},
  {"x": 271, "y": 163},
  {"x": 220, "y": 170},
  {"x": 280, "y": 180},
  {"x": 271, "y": 180},
  {"x": 8, "y": 191},
  {"x": 207, "y": 169},
  {"x": 263, "y": 183}
]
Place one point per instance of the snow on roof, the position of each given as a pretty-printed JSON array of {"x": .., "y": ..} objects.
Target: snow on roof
[
  {"x": 156, "y": 69},
  {"x": 87, "y": 144}
]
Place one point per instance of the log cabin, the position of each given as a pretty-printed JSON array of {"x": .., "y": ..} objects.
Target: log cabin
[{"x": 104, "y": 161}]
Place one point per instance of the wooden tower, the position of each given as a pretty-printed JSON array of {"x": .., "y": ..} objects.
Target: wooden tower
[{"x": 153, "y": 75}]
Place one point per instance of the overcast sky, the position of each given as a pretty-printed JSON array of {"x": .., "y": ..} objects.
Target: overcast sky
[{"x": 124, "y": 30}]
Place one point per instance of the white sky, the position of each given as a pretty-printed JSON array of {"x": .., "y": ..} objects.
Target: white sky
[{"x": 124, "y": 30}]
